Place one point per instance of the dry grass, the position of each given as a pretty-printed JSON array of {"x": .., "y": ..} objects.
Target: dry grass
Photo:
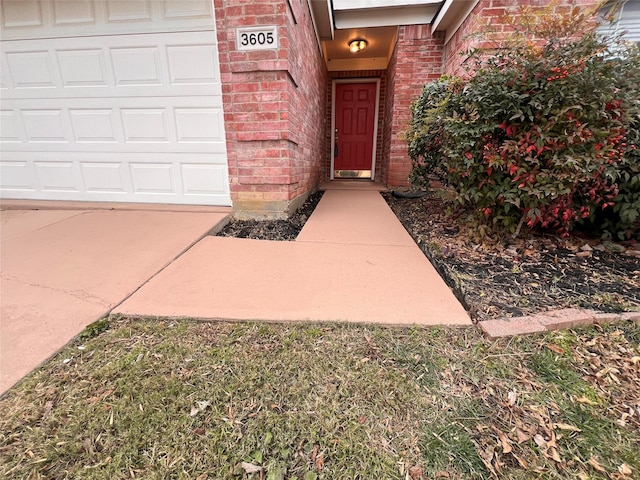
[{"x": 187, "y": 400}]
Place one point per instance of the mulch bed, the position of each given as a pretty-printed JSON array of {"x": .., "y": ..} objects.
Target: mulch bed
[
  {"x": 494, "y": 280},
  {"x": 282, "y": 230},
  {"x": 522, "y": 277}
]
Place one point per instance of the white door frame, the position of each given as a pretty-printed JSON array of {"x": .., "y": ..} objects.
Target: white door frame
[{"x": 375, "y": 121}]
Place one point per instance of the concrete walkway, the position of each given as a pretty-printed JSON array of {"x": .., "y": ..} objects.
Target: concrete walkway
[
  {"x": 352, "y": 262},
  {"x": 63, "y": 268}
]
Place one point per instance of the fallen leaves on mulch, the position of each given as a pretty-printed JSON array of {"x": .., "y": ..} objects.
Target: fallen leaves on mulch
[{"x": 527, "y": 275}]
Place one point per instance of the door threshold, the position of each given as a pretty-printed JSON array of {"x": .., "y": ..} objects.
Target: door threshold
[{"x": 352, "y": 174}]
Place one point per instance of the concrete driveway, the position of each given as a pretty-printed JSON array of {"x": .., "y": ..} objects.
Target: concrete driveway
[{"x": 62, "y": 269}]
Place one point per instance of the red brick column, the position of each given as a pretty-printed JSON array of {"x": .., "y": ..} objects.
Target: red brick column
[
  {"x": 416, "y": 61},
  {"x": 274, "y": 107}
]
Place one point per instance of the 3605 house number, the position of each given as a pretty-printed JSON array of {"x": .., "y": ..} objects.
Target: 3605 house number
[{"x": 257, "y": 38}]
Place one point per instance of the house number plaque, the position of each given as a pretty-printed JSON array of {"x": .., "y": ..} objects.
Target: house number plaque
[{"x": 257, "y": 38}]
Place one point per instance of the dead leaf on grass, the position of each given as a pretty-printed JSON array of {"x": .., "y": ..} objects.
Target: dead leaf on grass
[
  {"x": 555, "y": 456},
  {"x": 87, "y": 446},
  {"x": 625, "y": 469},
  {"x": 540, "y": 441},
  {"x": 48, "y": 406},
  {"x": 555, "y": 348},
  {"x": 199, "y": 406},
  {"x": 594, "y": 463},
  {"x": 522, "y": 436},
  {"x": 584, "y": 400},
  {"x": 522, "y": 462},
  {"x": 250, "y": 467},
  {"x": 505, "y": 443},
  {"x": 566, "y": 426},
  {"x": 442, "y": 474},
  {"x": 415, "y": 472},
  {"x": 487, "y": 456}
]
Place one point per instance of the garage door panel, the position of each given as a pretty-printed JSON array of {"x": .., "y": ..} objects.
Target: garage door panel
[
  {"x": 137, "y": 66},
  {"x": 18, "y": 177},
  {"x": 199, "y": 125},
  {"x": 20, "y": 14},
  {"x": 199, "y": 179},
  {"x": 45, "y": 126},
  {"x": 145, "y": 125},
  {"x": 105, "y": 177},
  {"x": 153, "y": 178},
  {"x": 111, "y": 100},
  {"x": 10, "y": 127},
  {"x": 73, "y": 13},
  {"x": 177, "y": 124},
  {"x": 23, "y": 19},
  {"x": 95, "y": 125},
  {"x": 113, "y": 66},
  {"x": 5, "y": 80},
  {"x": 58, "y": 177},
  {"x": 82, "y": 68},
  {"x": 128, "y": 11},
  {"x": 194, "y": 64},
  {"x": 129, "y": 177},
  {"x": 190, "y": 8},
  {"x": 31, "y": 69}
]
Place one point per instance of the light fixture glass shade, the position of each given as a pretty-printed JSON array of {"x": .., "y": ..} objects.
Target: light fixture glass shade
[{"x": 357, "y": 45}]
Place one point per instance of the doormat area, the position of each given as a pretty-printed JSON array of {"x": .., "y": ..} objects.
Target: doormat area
[{"x": 278, "y": 230}]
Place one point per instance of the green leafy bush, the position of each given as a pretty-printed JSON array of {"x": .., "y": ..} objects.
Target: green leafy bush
[{"x": 544, "y": 135}]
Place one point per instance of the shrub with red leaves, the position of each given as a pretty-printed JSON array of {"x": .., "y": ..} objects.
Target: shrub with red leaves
[{"x": 544, "y": 135}]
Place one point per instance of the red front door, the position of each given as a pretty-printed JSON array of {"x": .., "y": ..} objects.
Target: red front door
[{"x": 355, "y": 106}]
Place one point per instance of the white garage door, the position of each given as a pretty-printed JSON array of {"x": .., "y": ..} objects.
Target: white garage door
[{"x": 111, "y": 100}]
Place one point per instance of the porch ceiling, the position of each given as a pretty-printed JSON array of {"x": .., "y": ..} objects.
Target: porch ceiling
[
  {"x": 380, "y": 44},
  {"x": 376, "y": 21}
]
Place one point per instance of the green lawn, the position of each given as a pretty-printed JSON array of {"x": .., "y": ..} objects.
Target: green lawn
[{"x": 190, "y": 400}]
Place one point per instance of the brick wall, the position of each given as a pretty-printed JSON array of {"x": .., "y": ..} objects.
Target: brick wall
[
  {"x": 387, "y": 125},
  {"x": 274, "y": 103},
  {"x": 455, "y": 50},
  {"x": 491, "y": 12},
  {"x": 417, "y": 60}
]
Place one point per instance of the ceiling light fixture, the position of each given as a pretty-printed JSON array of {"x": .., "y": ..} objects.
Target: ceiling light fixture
[{"x": 357, "y": 45}]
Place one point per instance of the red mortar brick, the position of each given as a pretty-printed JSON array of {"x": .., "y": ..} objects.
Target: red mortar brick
[
  {"x": 509, "y": 327},
  {"x": 554, "y": 320},
  {"x": 607, "y": 317},
  {"x": 565, "y": 318},
  {"x": 633, "y": 316}
]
